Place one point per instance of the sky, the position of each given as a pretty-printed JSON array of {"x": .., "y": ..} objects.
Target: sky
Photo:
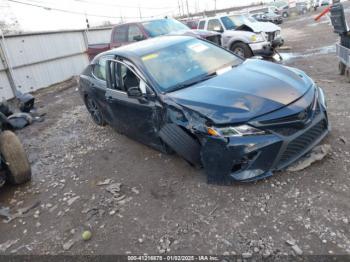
[{"x": 32, "y": 18}]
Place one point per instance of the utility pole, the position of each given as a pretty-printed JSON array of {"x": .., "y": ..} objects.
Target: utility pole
[
  {"x": 215, "y": 6},
  {"x": 178, "y": 2},
  {"x": 182, "y": 7},
  {"x": 188, "y": 10},
  {"x": 140, "y": 13}
]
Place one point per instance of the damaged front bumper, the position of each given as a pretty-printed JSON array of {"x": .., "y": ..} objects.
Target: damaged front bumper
[
  {"x": 250, "y": 158},
  {"x": 262, "y": 49}
]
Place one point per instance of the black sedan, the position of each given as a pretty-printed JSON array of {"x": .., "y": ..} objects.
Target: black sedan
[{"x": 239, "y": 119}]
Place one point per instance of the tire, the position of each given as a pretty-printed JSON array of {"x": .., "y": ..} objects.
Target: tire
[
  {"x": 285, "y": 15},
  {"x": 94, "y": 111},
  {"x": 242, "y": 50},
  {"x": 341, "y": 68},
  {"x": 17, "y": 163},
  {"x": 347, "y": 74}
]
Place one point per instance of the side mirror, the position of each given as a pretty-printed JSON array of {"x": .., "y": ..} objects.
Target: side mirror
[{"x": 134, "y": 91}]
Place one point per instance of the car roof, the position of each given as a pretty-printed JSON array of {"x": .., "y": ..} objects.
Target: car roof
[{"x": 145, "y": 47}]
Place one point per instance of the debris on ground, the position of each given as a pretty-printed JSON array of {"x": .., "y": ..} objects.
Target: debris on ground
[
  {"x": 20, "y": 120},
  {"x": 297, "y": 250},
  {"x": 5, "y": 212},
  {"x": 20, "y": 212},
  {"x": 72, "y": 200},
  {"x": 86, "y": 235},
  {"x": 105, "y": 182},
  {"x": 69, "y": 243},
  {"x": 317, "y": 154},
  {"x": 7, "y": 245},
  {"x": 343, "y": 139},
  {"x": 114, "y": 189}
]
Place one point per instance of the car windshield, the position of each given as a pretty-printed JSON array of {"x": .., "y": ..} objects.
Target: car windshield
[
  {"x": 239, "y": 20},
  {"x": 184, "y": 63},
  {"x": 163, "y": 26},
  {"x": 228, "y": 23}
]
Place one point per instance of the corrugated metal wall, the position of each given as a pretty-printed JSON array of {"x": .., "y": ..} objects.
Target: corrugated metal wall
[{"x": 42, "y": 59}]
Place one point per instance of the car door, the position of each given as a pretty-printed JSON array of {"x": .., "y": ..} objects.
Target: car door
[
  {"x": 136, "y": 117},
  {"x": 98, "y": 86}
]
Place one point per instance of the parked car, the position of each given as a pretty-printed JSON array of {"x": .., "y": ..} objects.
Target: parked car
[
  {"x": 268, "y": 17},
  {"x": 239, "y": 119},
  {"x": 128, "y": 33},
  {"x": 244, "y": 35},
  {"x": 14, "y": 164},
  {"x": 282, "y": 8},
  {"x": 302, "y": 8}
]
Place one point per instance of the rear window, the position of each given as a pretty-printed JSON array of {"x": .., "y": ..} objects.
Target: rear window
[{"x": 120, "y": 34}]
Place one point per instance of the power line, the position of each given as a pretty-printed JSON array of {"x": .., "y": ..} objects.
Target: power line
[
  {"x": 125, "y": 6},
  {"x": 48, "y": 8}
]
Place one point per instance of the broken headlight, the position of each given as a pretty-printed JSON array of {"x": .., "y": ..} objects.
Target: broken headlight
[
  {"x": 257, "y": 38},
  {"x": 322, "y": 97},
  {"x": 243, "y": 130}
]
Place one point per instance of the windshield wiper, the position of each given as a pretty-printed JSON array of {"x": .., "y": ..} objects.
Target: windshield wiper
[{"x": 192, "y": 82}]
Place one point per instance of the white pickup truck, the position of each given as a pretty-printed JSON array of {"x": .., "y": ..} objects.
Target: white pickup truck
[{"x": 245, "y": 36}]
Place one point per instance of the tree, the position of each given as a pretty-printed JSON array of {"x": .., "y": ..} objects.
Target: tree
[{"x": 9, "y": 27}]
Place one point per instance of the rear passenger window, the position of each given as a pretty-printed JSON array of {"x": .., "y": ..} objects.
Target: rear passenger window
[
  {"x": 99, "y": 69},
  {"x": 120, "y": 34},
  {"x": 201, "y": 24}
]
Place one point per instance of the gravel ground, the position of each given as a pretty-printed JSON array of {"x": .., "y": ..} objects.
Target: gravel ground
[{"x": 135, "y": 200}]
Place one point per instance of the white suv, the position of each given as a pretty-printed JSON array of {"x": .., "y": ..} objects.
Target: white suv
[{"x": 244, "y": 35}]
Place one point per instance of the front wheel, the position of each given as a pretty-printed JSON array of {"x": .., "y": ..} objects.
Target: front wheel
[
  {"x": 285, "y": 15},
  {"x": 94, "y": 111},
  {"x": 15, "y": 158},
  {"x": 242, "y": 50}
]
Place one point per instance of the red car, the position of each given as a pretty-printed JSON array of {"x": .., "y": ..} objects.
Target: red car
[{"x": 132, "y": 32}]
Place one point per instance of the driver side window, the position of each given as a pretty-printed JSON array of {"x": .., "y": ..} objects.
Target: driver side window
[{"x": 122, "y": 78}]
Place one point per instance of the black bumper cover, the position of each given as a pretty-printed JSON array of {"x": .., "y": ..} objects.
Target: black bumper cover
[{"x": 250, "y": 158}]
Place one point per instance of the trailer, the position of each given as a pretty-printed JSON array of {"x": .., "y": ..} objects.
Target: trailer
[
  {"x": 343, "y": 54},
  {"x": 341, "y": 27}
]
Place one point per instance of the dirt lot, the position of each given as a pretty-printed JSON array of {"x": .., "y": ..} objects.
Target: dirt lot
[{"x": 164, "y": 205}]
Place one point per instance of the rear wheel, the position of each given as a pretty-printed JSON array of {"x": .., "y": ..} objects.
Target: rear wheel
[
  {"x": 16, "y": 161},
  {"x": 242, "y": 50},
  {"x": 94, "y": 111},
  {"x": 341, "y": 68},
  {"x": 285, "y": 15}
]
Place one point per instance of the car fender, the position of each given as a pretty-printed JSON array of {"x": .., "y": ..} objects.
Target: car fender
[{"x": 232, "y": 36}]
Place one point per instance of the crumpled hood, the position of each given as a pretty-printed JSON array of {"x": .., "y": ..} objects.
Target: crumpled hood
[
  {"x": 249, "y": 90},
  {"x": 258, "y": 27}
]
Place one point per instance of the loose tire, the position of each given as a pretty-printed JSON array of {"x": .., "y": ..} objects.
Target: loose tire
[
  {"x": 341, "y": 68},
  {"x": 242, "y": 50},
  {"x": 94, "y": 111},
  {"x": 15, "y": 157}
]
